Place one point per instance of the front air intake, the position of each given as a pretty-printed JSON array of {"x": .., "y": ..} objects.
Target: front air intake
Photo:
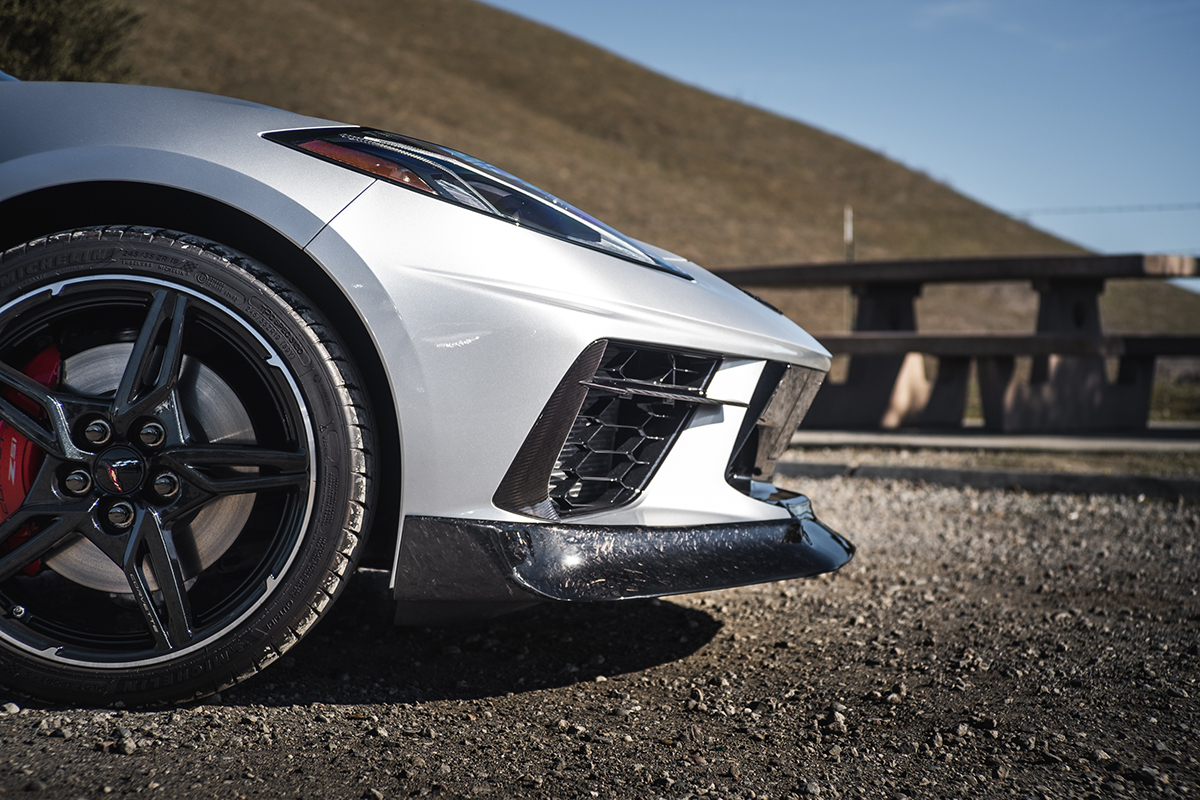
[
  {"x": 604, "y": 433},
  {"x": 780, "y": 401}
]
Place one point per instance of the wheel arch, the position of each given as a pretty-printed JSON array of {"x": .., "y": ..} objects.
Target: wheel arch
[{"x": 66, "y": 207}]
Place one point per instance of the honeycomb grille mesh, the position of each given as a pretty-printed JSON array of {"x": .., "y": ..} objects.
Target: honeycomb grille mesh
[{"x": 617, "y": 442}]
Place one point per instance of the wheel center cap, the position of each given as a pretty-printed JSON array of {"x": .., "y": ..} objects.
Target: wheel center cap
[{"x": 120, "y": 470}]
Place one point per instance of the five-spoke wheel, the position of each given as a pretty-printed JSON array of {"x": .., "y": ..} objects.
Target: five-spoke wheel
[{"x": 176, "y": 496}]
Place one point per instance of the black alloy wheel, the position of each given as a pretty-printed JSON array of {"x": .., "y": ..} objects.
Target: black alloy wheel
[{"x": 184, "y": 473}]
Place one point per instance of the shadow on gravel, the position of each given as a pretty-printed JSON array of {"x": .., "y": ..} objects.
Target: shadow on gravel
[{"x": 356, "y": 655}]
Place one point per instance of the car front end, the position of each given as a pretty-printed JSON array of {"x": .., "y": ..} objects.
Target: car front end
[
  {"x": 518, "y": 402},
  {"x": 584, "y": 417}
]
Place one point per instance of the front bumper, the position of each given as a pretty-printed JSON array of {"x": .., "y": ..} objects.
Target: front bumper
[{"x": 452, "y": 569}]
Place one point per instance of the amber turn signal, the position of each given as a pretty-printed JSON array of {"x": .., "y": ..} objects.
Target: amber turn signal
[{"x": 367, "y": 162}]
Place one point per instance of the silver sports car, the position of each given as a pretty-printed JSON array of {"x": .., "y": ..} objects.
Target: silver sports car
[{"x": 235, "y": 340}]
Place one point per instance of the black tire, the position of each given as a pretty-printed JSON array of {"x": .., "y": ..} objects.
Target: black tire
[{"x": 192, "y": 487}]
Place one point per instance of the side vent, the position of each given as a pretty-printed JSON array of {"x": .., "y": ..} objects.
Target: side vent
[
  {"x": 524, "y": 489},
  {"x": 780, "y": 401},
  {"x": 604, "y": 432}
]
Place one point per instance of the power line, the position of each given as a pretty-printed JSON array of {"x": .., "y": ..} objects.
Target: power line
[{"x": 1029, "y": 212}]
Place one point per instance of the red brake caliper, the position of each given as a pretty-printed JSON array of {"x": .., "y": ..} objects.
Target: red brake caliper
[{"x": 19, "y": 458}]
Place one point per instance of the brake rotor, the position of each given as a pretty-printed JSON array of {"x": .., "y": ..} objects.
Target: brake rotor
[{"x": 215, "y": 415}]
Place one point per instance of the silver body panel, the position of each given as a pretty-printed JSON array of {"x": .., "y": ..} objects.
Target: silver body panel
[
  {"x": 474, "y": 320},
  {"x": 53, "y": 134}
]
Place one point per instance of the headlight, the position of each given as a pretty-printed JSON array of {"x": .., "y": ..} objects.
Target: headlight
[{"x": 465, "y": 181}]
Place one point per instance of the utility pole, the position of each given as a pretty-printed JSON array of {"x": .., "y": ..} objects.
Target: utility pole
[
  {"x": 848, "y": 240},
  {"x": 848, "y": 231}
]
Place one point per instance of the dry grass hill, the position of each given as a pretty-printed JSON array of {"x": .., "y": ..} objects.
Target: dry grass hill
[{"x": 715, "y": 180}]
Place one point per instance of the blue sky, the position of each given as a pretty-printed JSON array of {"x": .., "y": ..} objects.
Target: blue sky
[{"x": 1023, "y": 105}]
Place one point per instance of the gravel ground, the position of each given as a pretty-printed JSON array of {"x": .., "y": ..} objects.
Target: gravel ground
[
  {"x": 1176, "y": 464},
  {"x": 981, "y": 644}
]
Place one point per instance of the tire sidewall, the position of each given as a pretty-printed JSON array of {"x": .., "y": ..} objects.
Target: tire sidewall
[{"x": 327, "y": 548}]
